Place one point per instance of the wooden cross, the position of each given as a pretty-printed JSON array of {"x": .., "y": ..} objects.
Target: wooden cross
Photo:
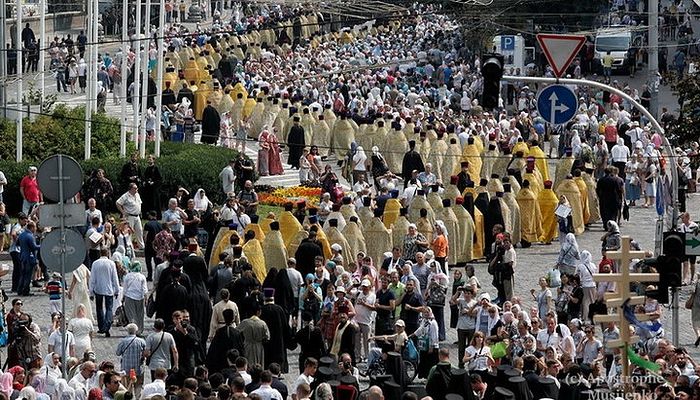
[{"x": 624, "y": 256}]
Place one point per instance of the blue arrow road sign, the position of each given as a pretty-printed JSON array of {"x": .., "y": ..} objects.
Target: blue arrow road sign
[{"x": 557, "y": 104}]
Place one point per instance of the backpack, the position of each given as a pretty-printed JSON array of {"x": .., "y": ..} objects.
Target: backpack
[{"x": 437, "y": 296}]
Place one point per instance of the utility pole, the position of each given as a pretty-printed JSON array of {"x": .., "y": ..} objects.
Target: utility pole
[
  {"x": 3, "y": 59},
  {"x": 20, "y": 67},
  {"x": 92, "y": 41},
  {"x": 654, "y": 57}
]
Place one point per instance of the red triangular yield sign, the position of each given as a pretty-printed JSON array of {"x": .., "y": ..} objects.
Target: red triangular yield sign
[{"x": 560, "y": 50}]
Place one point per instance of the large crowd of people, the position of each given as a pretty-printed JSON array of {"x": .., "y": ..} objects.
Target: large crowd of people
[{"x": 361, "y": 276}]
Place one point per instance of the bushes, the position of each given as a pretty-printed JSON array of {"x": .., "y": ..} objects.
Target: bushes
[{"x": 192, "y": 166}]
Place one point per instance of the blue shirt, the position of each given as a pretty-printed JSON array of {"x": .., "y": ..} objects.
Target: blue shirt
[
  {"x": 170, "y": 215},
  {"x": 27, "y": 247},
  {"x": 103, "y": 279}
]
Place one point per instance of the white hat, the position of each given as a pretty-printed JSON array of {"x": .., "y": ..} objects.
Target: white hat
[
  {"x": 399, "y": 322},
  {"x": 336, "y": 247},
  {"x": 366, "y": 282},
  {"x": 484, "y": 296},
  {"x": 340, "y": 289}
]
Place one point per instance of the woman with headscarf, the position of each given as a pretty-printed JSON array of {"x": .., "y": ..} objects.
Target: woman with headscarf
[
  {"x": 79, "y": 292},
  {"x": 359, "y": 164},
  {"x": 611, "y": 238},
  {"x": 568, "y": 255},
  {"x": 413, "y": 242},
  {"x": 633, "y": 182},
  {"x": 135, "y": 289},
  {"x": 575, "y": 143},
  {"x": 6, "y": 385},
  {"x": 650, "y": 176},
  {"x": 51, "y": 371},
  {"x": 201, "y": 201},
  {"x": 428, "y": 342},
  {"x": 82, "y": 329},
  {"x": 585, "y": 270},
  {"x": 38, "y": 383},
  {"x": 620, "y": 154},
  {"x": 273, "y": 156}
]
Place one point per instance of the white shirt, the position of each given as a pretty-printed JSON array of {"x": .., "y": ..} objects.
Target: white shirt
[
  {"x": 82, "y": 386},
  {"x": 227, "y": 179},
  {"x": 510, "y": 256},
  {"x": 135, "y": 286},
  {"x": 586, "y": 276},
  {"x": 55, "y": 340},
  {"x": 620, "y": 153},
  {"x": 546, "y": 339},
  {"x": 3, "y": 181},
  {"x": 89, "y": 215},
  {"x": 131, "y": 203},
  {"x": 295, "y": 280},
  {"x": 152, "y": 389},
  {"x": 363, "y": 314},
  {"x": 266, "y": 392},
  {"x": 303, "y": 378}
]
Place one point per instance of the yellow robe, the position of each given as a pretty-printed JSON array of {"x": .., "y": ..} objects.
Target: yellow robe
[
  {"x": 365, "y": 214},
  {"x": 454, "y": 239},
  {"x": 296, "y": 241},
  {"x": 494, "y": 186},
  {"x": 259, "y": 234},
  {"x": 274, "y": 251},
  {"x": 465, "y": 227},
  {"x": 414, "y": 208},
  {"x": 378, "y": 239},
  {"x": 325, "y": 244},
  {"x": 322, "y": 137},
  {"x": 221, "y": 243},
  {"x": 265, "y": 225},
  {"x": 530, "y": 215},
  {"x": 355, "y": 238},
  {"x": 583, "y": 189},
  {"x": 540, "y": 161},
  {"x": 490, "y": 158},
  {"x": 451, "y": 192},
  {"x": 391, "y": 212},
  {"x": 254, "y": 253},
  {"x": 395, "y": 146},
  {"x": 548, "y": 202},
  {"x": 424, "y": 226},
  {"x": 200, "y": 99},
  {"x": 348, "y": 211},
  {"x": 192, "y": 72},
  {"x": 520, "y": 147},
  {"x": 248, "y": 107},
  {"x": 569, "y": 188},
  {"x": 289, "y": 226},
  {"x": 515, "y": 217},
  {"x": 536, "y": 184},
  {"x": 480, "y": 238},
  {"x": 563, "y": 169},
  {"x": 343, "y": 135},
  {"x": 450, "y": 165},
  {"x": 399, "y": 230},
  {"x": 592, "y": 198},
  {"x": 438, "y": 150},
  {"x": 472, "y": 155},
  {"x": 335, "y": 236}
]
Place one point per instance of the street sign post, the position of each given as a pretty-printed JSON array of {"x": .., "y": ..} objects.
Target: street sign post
[
  {"x": 59, "y": 242},
  {"x": 507, "y": 43},
  {"x": 560, "y": 50},
  {"x": 692, "y": 244},
  {"x": 557, "y": 104},
  {"x": 73, "y": 215},
  {"x": 60, "y": 178}
]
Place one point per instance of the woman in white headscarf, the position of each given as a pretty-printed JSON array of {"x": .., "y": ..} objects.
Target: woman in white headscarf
[
  {"x": 79, "y": 291},
  {"x": 575, "y": 143},
  {"x": 585, "y": 271},
  {"x": 359, "y": 164},
  {"x": 201, "y": 201},
  {"x": 568, "y": 255}
]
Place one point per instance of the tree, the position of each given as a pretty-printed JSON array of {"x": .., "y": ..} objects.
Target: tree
[{"x": 683, "y": 129}]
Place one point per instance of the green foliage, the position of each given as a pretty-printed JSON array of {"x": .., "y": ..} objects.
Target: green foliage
[
  {"x": 33, "y": 97},
  {"x": 684, "y": 129},
  {"x": 192, "y": 166},
  {"x": 63, "y": 131}
]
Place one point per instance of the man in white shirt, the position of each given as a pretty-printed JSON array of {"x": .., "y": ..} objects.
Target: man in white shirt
[
  {"x": 265, "y": 391},
  {"x": 509, "y": 258},
  {"x": 217, "y": 314},
  {"x": 85, "y": 380},
  {"x": 364, "y": 317},
  {"x": 307, "y": 377},
  {"x": 92, "y": 212},
  {"x": 228, "y": 177},
  {"x": 157, "y": 387},
  {"x": 548, "y": 337},
  {"x": 129, "y": 204},
  {"x": 295, "y": 281},
  {"x": 56, "y": 339}
]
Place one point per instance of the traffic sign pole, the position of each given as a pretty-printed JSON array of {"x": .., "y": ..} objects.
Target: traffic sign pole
[
  {"x": 557, "y": 104},
  {"x": 61, "y": 205}
]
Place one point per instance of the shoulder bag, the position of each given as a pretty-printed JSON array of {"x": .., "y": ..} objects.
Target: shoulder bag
[{"x": 150, "y": 354}]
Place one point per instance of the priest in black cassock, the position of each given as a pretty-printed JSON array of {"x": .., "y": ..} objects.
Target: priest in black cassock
[
  {"x": 296, "y": 143},
  {"x": 310, "y": 340},
  {"x": 227, "y": 337},
  {"x": 463, "y": 178},
  {"x": 411, "y": 161},
  {"x": 168, "y": 97},
  {"x": 280, "y": 332},
  {"x": 211, "y": 124},
  {"x": 306, "y": 254}
]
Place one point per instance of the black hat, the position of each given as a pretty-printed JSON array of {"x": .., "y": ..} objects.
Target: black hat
[
  {"x": 506, "y": 187},
  {"x": 403, "y": 211},
  {"x": 274, "y": 225},
  {"x": 446, "y": 202},
  {"x": 377, "y": 212},
  {"x": 333, "y": 222}
]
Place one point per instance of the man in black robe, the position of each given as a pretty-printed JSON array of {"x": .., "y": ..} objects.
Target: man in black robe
[
  {"x": 168, "y": 97},
  {"x": 463, "y": 178},
  {"x": 280, "y": 332},
  {"x": 609, "y": 196},
  {"x": 411, "y": 161},
  {"x": 225, "y": 338},
  {"x": 152, "y": 180},
  {"x": 242, "y": 288},
  {"x": 344, "y": 338},
  {"x": 306, "y": 253},
  {"x": 296, "y": 143},
  {"x": 492, "y": 217},
  {"x": 211, "y": 124},
  {"x": 284, "y": 295},
  {"x": 185, "y": 93},
  {"x": 173, "y": 297},
  {"x": 131, "y": 173},
  {"x": 310, "y": 340}
]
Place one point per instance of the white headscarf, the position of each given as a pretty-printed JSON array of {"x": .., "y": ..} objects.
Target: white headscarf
[
  {"x": 442, "y": 226},
  {"x": 201, "y": 201},
  {"x": 571, "y": 242}
]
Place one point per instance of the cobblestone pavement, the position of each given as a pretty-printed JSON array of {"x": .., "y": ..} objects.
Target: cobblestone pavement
[{"x": 532, "y": 263}]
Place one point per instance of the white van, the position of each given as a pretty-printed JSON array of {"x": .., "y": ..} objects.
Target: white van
[{"x": 617, "y": 41}]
